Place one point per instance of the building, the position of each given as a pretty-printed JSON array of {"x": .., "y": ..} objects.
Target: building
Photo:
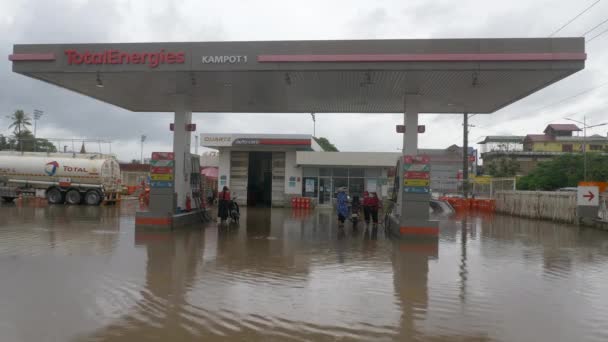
[
  {"x": 270, "y": 169},
  {"x": 133, "y": 174},
  {"x": 409, "y": 76},
  {"x": 559, "y": 138},
  {"x": 530, "y": 150}
]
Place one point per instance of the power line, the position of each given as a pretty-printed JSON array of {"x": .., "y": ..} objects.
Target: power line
[
  {"x": 596, "y": 36},
  {"x": 594, "y": 27},
  {"x": 571, "y": 97},
  {"x": 573, "y": 19}
]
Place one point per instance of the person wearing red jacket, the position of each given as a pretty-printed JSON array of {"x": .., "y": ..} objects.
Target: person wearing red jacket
[
  {"x": 366, "y": 212},
  {"x": 223, "y": 210},
  {"x": 374, "y": 205}
]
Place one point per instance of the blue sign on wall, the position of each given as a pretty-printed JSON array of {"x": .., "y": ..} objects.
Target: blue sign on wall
[
  {"x": 416, "y": 189},
  {"x": 161, "y": 184}
]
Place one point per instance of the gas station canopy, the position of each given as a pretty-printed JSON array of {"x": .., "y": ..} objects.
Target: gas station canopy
[{"x": 360, "y": 76}]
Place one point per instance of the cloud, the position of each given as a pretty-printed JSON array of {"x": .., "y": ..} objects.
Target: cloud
[{"x": 71, "y": 115}]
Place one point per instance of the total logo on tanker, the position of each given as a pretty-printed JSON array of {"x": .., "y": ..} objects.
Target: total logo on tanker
[{"x": 51, "y": 168}]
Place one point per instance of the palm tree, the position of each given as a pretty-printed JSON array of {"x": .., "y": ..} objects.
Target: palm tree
[{"x": 20, "y": 122}]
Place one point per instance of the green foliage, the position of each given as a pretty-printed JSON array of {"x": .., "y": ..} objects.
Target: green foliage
[
  {"x": 19, "y": 121},
  {"x": 503, "y": 167},
  {"x": 23, "y": 139},
  {"x": 565, "y": 171},
  {"x": 325, "y": 144},
  {"x": 4, "y": 143}
]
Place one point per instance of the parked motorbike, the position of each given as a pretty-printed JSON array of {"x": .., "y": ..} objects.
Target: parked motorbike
[{"x": 234, "y": 210}]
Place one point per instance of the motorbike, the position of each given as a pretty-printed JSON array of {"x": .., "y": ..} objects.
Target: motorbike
[
  {"x": 234, "y": 210},
  {"x": 354, "y": 216}
]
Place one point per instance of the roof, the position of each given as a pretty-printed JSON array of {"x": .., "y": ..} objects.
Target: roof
[
  {"x": 330, "y": 76},
  {"x": 516, "y": 139},
  {"x": 562, "y": 128},
  {"x": 132, "y": 167},
  {"x": 538, "y": 138}
]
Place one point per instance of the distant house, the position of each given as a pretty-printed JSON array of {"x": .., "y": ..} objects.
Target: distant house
[{"x": 557, "y": 139}]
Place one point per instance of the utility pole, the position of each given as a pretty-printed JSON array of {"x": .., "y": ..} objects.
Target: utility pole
[
  {"x": 196, "y": 144},
  {"x": 314, "y": 125},
  {"x": 585, "y": 142},
  {"x": 465, "y": 156},
  {"x": 143, "y": 138}
]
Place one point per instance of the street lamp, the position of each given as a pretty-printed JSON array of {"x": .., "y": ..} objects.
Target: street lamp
[
  {"x": 141, "y": 156},
  {"x": 37, "y": 115},
  {"x": 314, "y": 125},
  {"x": 584, "y": 123}
]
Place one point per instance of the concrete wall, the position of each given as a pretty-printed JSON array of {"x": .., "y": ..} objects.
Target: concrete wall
[{"x": 548, "y": 205}]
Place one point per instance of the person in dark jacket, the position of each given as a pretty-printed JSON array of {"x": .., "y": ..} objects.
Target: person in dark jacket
[
  {"x": 223, "y": 207},
  {"x": 366, "y": 212}
]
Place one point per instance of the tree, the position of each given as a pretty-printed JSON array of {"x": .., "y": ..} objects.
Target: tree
[
  {"x": 503, "y": 167},
  {"x": 565, "y": 171},
  {"x": 25, "y": 141},
  {"x": 4, "y": 143},
  {"x": 325, "y": 144},
  {"x": 20, "y": 122}
]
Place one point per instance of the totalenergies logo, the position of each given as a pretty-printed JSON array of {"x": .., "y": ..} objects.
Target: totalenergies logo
[{"x": 51, "y": 168}]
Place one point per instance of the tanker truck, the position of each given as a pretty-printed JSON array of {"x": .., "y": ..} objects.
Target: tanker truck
[{"x": 66, "y": 178}]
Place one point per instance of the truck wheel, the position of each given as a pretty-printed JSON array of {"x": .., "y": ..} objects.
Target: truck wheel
[
  {"x": 92, "y": 197},
  {"x": 54, "y": 196},
  {"x": 8, "y": 199},
  {"x": 73, "y": 197}
]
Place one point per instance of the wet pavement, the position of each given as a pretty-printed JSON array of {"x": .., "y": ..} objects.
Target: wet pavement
[{"x": 86, "y": 274}]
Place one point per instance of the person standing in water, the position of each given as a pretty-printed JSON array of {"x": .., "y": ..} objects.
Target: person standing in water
[
  {"x": 366, "y": 212},
  {"x": 223, "y": 210},
  {"x": 374, "y": 205},
  {"x": 342, "y": 206}
]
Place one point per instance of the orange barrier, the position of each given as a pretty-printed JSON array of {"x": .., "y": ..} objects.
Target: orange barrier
[
  {"x": 466, "y": 204},
  {"x": 301, "y": 202}
]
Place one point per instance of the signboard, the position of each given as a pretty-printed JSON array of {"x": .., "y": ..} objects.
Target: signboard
[
  {"x": 588, "y": 196},
  {"x": 416, "y": 182},
  {"x": 225, "y": 140},
  {"x": 418, "y": 159},
  {"x": 402, "y": 128},
  {"x": 416, "y": 174},
  {"x": 162, "y": 163},
  {"x": 416, "y": 190},
  {"x": 310, "y": 185},
  {"x": 161, "y": 184},
  {"x": 417, "y": 167},
  {"x": 163, "y": 156},
  {"x": 116, "y": 57},
  {"x": 161, "y": 177},
  {"x": 161, "y": 170}
]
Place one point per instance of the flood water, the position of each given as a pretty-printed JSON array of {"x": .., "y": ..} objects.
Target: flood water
[{"x": 86, "y": 274}]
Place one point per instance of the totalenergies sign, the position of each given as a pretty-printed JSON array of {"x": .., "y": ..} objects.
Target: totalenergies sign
[{"x": 111, "y": 56}]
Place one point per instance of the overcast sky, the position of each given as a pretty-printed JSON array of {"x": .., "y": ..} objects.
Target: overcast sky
[{"x": 79, "y": 21}]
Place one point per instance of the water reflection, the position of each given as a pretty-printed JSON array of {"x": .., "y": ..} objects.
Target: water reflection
[{"x": 283, "y": 275}]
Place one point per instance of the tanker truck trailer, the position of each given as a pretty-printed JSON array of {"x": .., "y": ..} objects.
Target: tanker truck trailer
[{"x": 66, "y": 178}]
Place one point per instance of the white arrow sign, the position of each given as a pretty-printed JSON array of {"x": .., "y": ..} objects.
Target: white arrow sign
[{"x": 588, "y": 196}]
